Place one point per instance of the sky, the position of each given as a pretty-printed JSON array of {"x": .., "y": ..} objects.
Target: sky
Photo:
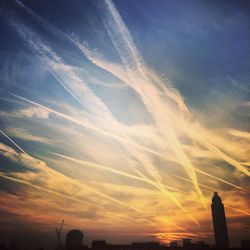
[{"x": 123, "y": 118}]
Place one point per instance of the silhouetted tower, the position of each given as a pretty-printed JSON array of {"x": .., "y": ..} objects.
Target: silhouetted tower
[
  {"x": 219, "y": 222},
  {"x": 58, "y": 236}
]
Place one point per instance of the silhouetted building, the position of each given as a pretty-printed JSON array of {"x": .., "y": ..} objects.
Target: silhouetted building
[
  {"x": 201, "y": 242},
  {"x": 174, "y": 243},
  {"x": 98, "y": 244},
  {"x": 74, "y": 240},
  {"x": 219, "y": 222},
  {"x": 2, "y": 247},
  {"x": 245, "y": 244},
  {"x": 153, "y": 245},
  {"x": 102, "y": 245},
  {"x": 186, "y": 242}
]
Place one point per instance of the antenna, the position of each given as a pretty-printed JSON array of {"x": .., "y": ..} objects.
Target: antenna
[{"x": 58, "y": 235}]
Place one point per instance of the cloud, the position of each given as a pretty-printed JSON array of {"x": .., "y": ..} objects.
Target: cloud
[
  {"x": 24, "y": 134},
  {"x": 6, "y": 150},
  {"x": 35, "y": 112},
  {"x": 239, "y": 133}
]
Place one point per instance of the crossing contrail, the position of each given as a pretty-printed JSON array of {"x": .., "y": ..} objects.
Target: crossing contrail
[
  {"x": 62, "y": 195},
  {"x": 167, "y": 194},
  {"x": 139, "y": 81},
  {"x": 77, "y": 86},
  {"x": 11, "y": 178},
  {"x": 115, "y": 171},
  {"x": 218, "y": 152},
  {"x": 95, "y": 191},
  {"x": 221, "y": 180},
  {"x": 143, "y": 178},
  {"x": 46, "y": 189},
  {"x": 238, "y": 210},
  {"x": 138, "y": 63},
  {"x": 150, "y": 168},
  {"x": 85, "y": 125},
  {"x": 74, "y": 181},
  {"x": 208, "y": 187},
  {"x": 146, "y": 148}
]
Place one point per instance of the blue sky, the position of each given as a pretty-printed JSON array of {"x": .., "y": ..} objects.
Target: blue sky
[{"x": 112, "y": 107}]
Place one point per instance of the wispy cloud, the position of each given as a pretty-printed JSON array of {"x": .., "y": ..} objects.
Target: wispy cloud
[
  {"x": 35, "y": 112},
  {"x": 239, "y": 133},
  {"x": 24, "y": 134}
]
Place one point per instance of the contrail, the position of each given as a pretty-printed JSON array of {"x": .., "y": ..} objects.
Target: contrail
[
  {"x": 97, "y": 192},
  {"x": 93, "y": 103},
  {"x": 233, "y": 208},
  {"x": 238, "y": 210},
  {"x": 13, "y": 143},
  {"x": 37, "y": 45},
  {"x": 128, "y": 175},
  {"x": 188, "y": 180},
  {"x": 125, "y": 47},
  {"x": 121, "y": 29},
  {"x": 161, "y": 187},
  {"x": 58, "y": 194},
  {"x": 149, "y": 79},
  {"x": 69, "y": 118},
  {"x": 167, "y": 194},
  {"x": 106, "y": 168},
  {"x": 74, "y": 120},
  {"x": 211, "y": 188},
  {"x": 118, "y": 19},
  {"x": 158, "y": 185},
  {"x": 64, "y": 86},
  {"x": 46, "y": 190},
  {"x": 40, "y": 49},
  {"x": 108, "y": 68},
  {"x": 173, "y": 138},
  {"x": 75, "y": 86},
  {"x": 167, "y": 221},
  {"x": 89, "y": 126},
  {"x": 178, "y": 204},
  {"x": 204, "y": 142},
  {"x": 77, "y": 200},
  {"x": 62, "y": 34},
  {"x": 219, "y": 179},
  {"x": 75, "y": 182},
  {"x": 56, "y": 31},
  {"x": 175, "y": 96},
  {"x": 218, "y": 152}
]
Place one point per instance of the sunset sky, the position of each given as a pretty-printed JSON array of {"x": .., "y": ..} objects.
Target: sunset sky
[{"x": 123, "y": 118}]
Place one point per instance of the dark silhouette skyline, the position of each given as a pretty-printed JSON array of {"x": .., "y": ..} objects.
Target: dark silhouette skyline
[
  {"x": 219, "y": 222},
  {"x": 75, "y": 238}
]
